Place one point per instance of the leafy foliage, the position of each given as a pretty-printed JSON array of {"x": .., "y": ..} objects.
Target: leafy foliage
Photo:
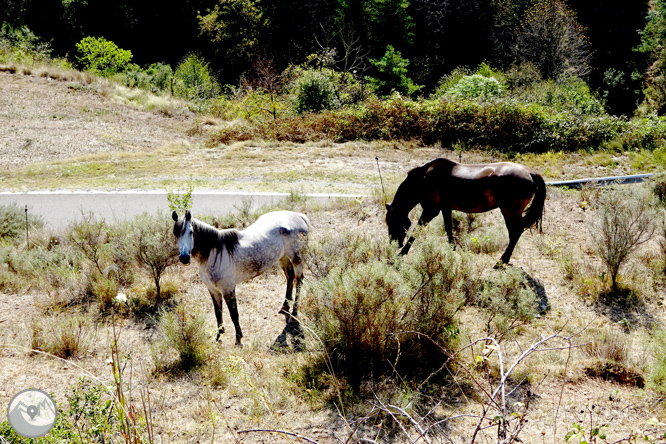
[
  {"x": 392, "y": 75},
  {"x": 315, "y": 90},
  {"x": 103, "y": 57},
  {"x": 194, "y": 79},
  {"x": 375, "y": 318},
  {"x": 475, "y": 86}
]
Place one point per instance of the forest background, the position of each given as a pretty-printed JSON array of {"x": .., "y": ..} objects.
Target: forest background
[{"x": 617, "y": 49}]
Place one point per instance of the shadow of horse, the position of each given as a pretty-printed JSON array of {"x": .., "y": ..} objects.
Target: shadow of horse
[
  {"x": 291, "y": 329},
  {"x": 543, "y": 304}
]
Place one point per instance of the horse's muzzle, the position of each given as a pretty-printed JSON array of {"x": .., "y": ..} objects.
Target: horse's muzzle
[{"x": 185, "y": 259}]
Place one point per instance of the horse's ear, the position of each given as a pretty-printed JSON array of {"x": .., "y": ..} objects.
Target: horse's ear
[
  {"x": 188, "y": 215},
  {"x": 174, "y": 216}
]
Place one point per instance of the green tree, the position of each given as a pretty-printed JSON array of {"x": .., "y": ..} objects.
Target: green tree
[
  {"x": 100, "y": 56},
  {"x": 392, "y": 74},
  {"x": 194, "y": 79}
]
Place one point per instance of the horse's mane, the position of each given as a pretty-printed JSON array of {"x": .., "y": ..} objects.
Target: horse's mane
[
  {"x": 409, "y": 192},
  {"x": 208, "y": 237}
]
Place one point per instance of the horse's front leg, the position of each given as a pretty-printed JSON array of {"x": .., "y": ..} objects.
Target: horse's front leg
[
  {"x": 230, "y": 299},
  {"x": 217, "y": 304},
  {"x": 428, "y": 214}
]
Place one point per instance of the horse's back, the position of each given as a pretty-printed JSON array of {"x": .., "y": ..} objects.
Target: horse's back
[
  {"x": 286, "y": 221},
  {"x": 480, "y": 187}
]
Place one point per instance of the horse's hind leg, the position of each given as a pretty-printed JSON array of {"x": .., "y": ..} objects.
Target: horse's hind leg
[
  {"x": 298, "y": 279},
  {"x": 288, "y": 269},
  {"x": 514, "y": 224}
]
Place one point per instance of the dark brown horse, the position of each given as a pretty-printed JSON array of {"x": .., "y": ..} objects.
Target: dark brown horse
[{"x": 443, "y": 185}]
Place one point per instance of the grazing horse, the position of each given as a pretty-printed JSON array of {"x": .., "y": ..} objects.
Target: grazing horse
[
  {"x": 229, "y": 257},
  {"x": 443, "y": 185}
]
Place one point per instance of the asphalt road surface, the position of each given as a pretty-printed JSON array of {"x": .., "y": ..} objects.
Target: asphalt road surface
[{"x": 60, "y": 208}]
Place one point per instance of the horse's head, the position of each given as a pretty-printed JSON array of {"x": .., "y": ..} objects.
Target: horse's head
[
  {"x": 398, "y": 223},
  {"x": 182, "y": 229}
]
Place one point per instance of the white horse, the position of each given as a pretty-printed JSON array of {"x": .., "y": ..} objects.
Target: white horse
[{"x": 228, "y": 257}]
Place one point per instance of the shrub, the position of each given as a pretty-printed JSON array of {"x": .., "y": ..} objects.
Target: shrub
[
  {"x": 160, "y": 75},
  {"x": 392, "y": 75},
  {"x": 183, "y": 331},
  {"x": 607, "y": 344},
  {"x": 475, "y": 86},
  {"x": 194, "y": 80},
  {"x": 376, "y": 317},
  {"x": 657, "y": 376},
  {"x": 13, "y": 220},
  {"x": 659, "y": 188},
  {"x": 501, "y": 124},
  {"x": 508, "y": 300},
  {"x": 100, "y": 56},
  {"x": 154, "y": 246},
  {"x": 623, "y": 223},
  {"x": 314, "y": 90}
]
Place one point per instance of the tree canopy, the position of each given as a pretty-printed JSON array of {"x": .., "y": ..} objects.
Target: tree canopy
[{"x": 612, "y": 47}]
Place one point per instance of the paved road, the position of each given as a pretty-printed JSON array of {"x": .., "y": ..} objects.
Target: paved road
[{"x": 58, "y": 209}]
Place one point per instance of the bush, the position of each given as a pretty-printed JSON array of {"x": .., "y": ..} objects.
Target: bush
[
  {"x": 154, "y": 246},
  {"x": 102, "y": 57},
  {"x": 501, "y": 124},
  {"x": 392, "y": 75},
  {"x": 314, "y": 91},
  {"x": 160, "y": 75},
  {"x": 194, "y": 80},
  {"x": 183, "y": 331},
  {"x": 13, "y": 220},
  {"x": 475, "y": 86},
  {"x": 376, "y": 317},
  {"x": 509, "y": 302}
]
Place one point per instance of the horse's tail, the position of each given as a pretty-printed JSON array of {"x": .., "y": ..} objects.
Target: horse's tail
[{"x": 534, "y": 213}]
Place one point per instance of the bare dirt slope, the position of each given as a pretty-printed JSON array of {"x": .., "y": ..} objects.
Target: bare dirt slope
[{"x": 44, "y": 120}]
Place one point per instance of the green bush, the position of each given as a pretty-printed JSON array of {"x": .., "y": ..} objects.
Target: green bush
[
  {"x": 194, "y": 79},
  {"x": 100, "y": 56},
  {"x": 160, "y": 75},
  {"x": 508, "y": 301},
  {"x": 475, "y": 86},
  {"x": 315, "y": 90},
  {"x": 153, "y": 245}
]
